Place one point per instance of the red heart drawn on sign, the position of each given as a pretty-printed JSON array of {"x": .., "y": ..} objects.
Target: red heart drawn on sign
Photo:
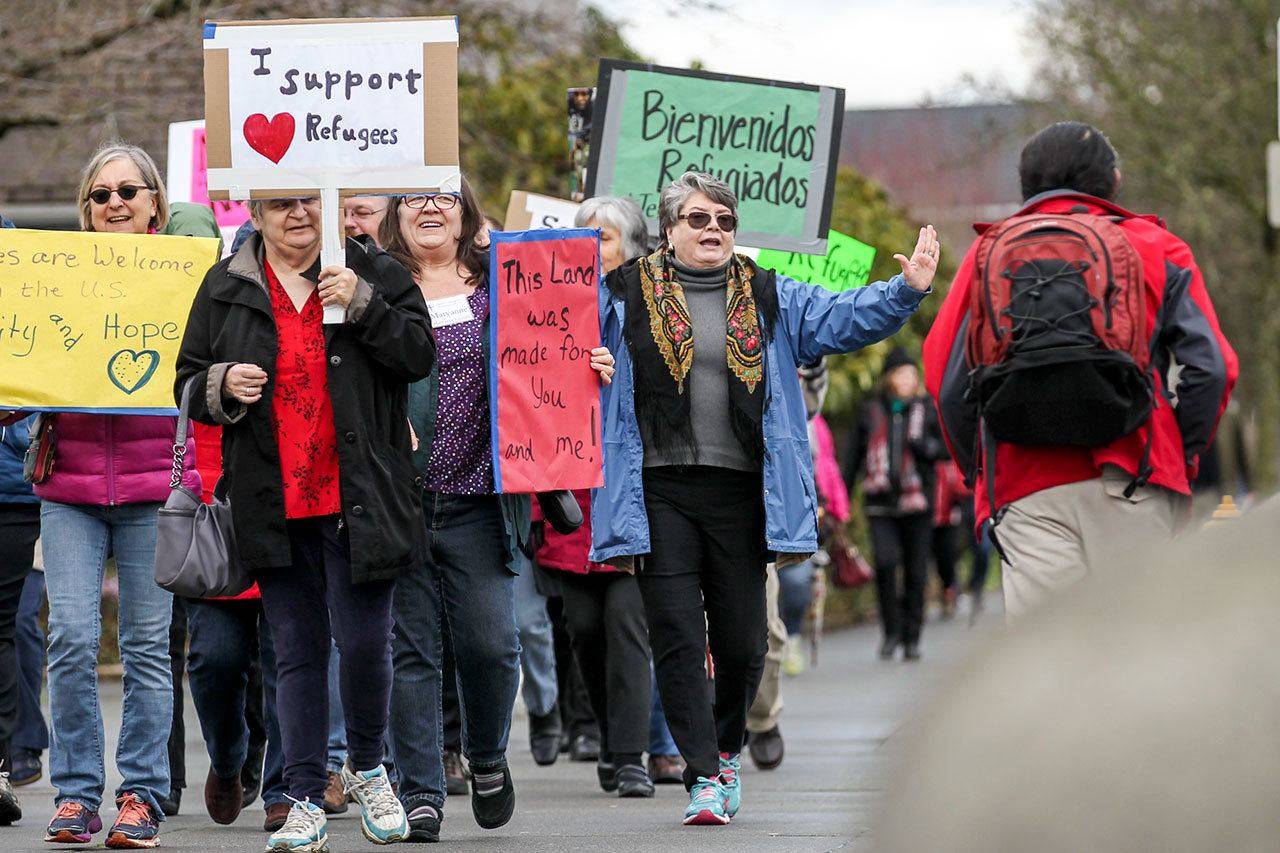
[{"x": 272, "y": 138}]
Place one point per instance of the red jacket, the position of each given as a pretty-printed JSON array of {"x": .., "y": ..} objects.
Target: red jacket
[
  {"x": 209, "y": 464},
  {"x": 1190, "y": 334},
  {"x": 569, "y": 553}
]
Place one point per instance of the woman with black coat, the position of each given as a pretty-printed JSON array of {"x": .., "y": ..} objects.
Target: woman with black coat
[
  {"x": 316, "y": 450},
  {"x": 895, "y": 443}
]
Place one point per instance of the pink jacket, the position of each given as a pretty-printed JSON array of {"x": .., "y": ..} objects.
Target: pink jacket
[
  {"x": 105, "y": 460},
  {"x": 826, "y": 471}
]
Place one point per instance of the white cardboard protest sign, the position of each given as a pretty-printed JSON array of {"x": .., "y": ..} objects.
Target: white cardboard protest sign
[
  {"x": 530, "y": 210},
  {"x": 331, "y": 107}
]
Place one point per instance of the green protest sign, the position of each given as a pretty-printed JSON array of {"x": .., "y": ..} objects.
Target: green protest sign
[
  {"x": 774, "y": 143},
  {"x": 846, "y": 264}
]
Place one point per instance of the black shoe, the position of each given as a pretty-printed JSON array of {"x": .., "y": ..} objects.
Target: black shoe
[
  {"x": 424, "y": 823},
  {"x": 251, "y": 778},
  {"x": 494, "y": 809},
  {"x": 170, "y": 804},
  {"x": 26, "y": 767},
  {"x": 561, "y": 511},
  {"x": 10, "y": 811},
  {"x": 887, "y": 648},
  {"x": 544, "y": 737},
  {"x": 608, "y": 776},
  {"x": 455, "y": 774},
  {"x": 911, "y": 651},
  {"x": 632, "y": 781},
  {"x": 766, "y": 748},
  {"x": 584, "y": 748}
]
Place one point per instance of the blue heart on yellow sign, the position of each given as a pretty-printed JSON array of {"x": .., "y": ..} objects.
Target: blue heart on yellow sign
[{"x": 130, "y": 369}]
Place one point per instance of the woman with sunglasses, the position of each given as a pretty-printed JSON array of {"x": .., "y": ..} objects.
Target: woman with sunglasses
[
  {"x": 708, "y": 475},
  {"x": 316, "y": 448},
  {"x": 110, "y": 476},
  {"x": 467, "y": 585}
]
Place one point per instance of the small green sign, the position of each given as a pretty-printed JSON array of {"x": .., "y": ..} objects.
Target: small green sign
[{"x": 846, "y": 264}]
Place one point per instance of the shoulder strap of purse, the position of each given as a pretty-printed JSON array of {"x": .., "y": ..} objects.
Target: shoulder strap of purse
[{"x": 180, "y": 439}]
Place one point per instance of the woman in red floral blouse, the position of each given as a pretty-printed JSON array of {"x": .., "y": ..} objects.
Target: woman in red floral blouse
[{"x": 317, "y": 455}]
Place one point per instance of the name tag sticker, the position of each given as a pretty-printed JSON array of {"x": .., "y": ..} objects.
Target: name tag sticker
[{"x": 450, "y": 311}]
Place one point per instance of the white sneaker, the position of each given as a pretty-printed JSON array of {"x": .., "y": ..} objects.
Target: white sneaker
[
  {"x": 382, "y": 818},
  {"x": 303, "y": 831}
]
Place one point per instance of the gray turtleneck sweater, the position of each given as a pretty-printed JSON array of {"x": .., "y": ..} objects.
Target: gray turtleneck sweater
[{"x": 708, "y": 382}]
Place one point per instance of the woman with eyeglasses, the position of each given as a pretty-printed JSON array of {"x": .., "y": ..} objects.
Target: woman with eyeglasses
[
  {"x": 466, "y": 586},
  {"x": 316, "y": 447},
  {"x": 708, "y": 474},
  {"x": 109, "y": 478}
]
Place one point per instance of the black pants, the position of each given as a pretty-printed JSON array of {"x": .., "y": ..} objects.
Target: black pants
[
  {"x": 576, "y": 716},
  {"x": 945, "y": 554},
  {"x": 299, "y": 602},
  {"x": 704, "y": 580},
  {"x": 19, "y": 529},
  {"x": 605, "y": 617},
  {"x": 901, "y": 542},
  {"x": 178, "y": 667}
]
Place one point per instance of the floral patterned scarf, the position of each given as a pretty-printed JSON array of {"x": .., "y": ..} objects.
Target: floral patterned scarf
[{"x": 660, "y": 333}]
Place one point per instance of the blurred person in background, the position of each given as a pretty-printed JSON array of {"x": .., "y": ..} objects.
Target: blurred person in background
[{"x": 894, "y": 447}]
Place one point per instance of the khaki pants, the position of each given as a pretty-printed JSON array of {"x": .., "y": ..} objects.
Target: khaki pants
[
  {"x": 767, "y": 707},
  {"x": 1059, "y": 536}
]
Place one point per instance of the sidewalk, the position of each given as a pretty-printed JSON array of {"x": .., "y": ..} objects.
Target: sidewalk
[{"x": 840, "y": 725}]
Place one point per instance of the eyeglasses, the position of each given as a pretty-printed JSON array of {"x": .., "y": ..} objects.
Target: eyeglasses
[
  {"x": 700, "y": 219},
  {"x": 442, "y": 201},
  {"x": 102, "y": 195}
]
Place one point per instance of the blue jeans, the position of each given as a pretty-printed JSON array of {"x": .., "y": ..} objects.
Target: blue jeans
[
  {"x": 223, "y": 635},
  {"x": 77, "y": 539},
  {"x": 466, "y": 578},
  {"x": 795, "y": 593},
  {"x": 32, "y": 732},
  {"x": 537, "y": 649},
  {"x": 660, "y": 740}
]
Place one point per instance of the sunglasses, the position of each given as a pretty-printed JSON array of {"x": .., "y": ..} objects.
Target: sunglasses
[
  {"x": 700, "y": 219},
  {"x": 102, "y": 195},
  {"x": 442, "y": 201}
]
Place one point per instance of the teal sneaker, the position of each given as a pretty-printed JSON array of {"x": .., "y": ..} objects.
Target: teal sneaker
[
  {"x": 382, "y": 818},
  {"x": 303, "y": 831},
  {"x": 706, "y": 804},
  {"x": 731, "y": 782}
]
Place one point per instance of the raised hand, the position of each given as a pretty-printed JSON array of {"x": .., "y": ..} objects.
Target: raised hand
[{"x": 919, "y": 269}]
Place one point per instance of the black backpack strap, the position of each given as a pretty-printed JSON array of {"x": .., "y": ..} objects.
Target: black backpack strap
[
  {"x": 1153, "y": 380},
  {"x": 988, "y": 446}
]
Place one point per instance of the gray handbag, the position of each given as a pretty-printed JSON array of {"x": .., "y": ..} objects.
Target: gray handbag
[{"x": 195, "y": 543}]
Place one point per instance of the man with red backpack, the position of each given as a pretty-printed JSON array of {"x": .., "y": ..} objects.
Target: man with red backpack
[{"x": 1050, "y": 362}]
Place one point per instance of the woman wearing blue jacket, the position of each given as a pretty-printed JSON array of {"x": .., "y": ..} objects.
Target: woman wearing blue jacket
[{"x": 708, "y": 474}]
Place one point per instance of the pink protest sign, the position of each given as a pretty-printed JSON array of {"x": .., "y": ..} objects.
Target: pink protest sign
[
  {"x": 544, "y": 397},
  {"x": 229, "y": 214}
]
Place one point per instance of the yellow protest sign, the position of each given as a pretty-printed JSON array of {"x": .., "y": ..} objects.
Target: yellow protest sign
[{"x": 91, "y": 321}]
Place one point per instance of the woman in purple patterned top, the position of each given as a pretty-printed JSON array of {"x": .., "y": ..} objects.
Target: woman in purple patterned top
[{"x": 474, "y": 533}]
